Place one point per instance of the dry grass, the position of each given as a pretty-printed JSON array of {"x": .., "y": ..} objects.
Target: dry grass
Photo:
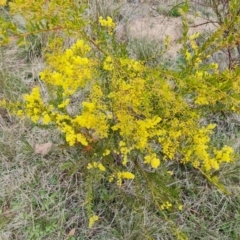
[{"x": 45, "y": 197}]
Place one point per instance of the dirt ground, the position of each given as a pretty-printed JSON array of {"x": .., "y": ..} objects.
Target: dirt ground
[{"x": 144, "y": 22}]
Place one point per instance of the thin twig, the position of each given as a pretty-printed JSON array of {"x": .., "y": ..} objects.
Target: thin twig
[{"x": 203, "y": 24}]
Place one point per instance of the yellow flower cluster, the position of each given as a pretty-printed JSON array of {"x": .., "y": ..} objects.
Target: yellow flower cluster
[
  {"x": 72, "y": 136},
  {"x": 188, "y": 55},
  {"x": 193, "y": 55},
  {"x": 107, "y": 22},
  {"x": 57, "y": 14},
  {"x": 131, "y": 114},
  {"x": 224, "y": 155},
  {"x": 193, "y": 42},
  {"x": 108, "y": 64},
  {"x": 136, "y": 111},
  {"x": 180, "y": 207},
  {"x": 96, "y": 165},
  {"x": 64, "y": 104},
  {"x": 120, "y": 176},
  {"x": 106, "y": 152},
  {"x": 3, "y": 2},
  {"x": 153, "y": 160},
  {"x": 92, "y": 118},
  {"x": 92, "y": 220},
  {"x": 131, "y": 66},
  {"x": 70, "y": 70},
  {"x": 67, "y": 73},
  {"x": 167, "y": 205},
  {"x": 34, "y": 106},
  {"x": 200, "y": 152},
  {"x": 201, "y": 100}
]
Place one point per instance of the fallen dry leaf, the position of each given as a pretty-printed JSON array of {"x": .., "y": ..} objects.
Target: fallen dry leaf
[
  {"x": 71, "y": 233},
  {"x": 43, "y": 149}
]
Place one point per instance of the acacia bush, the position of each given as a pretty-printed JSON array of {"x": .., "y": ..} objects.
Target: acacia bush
[{"x": 130, "y": 119}]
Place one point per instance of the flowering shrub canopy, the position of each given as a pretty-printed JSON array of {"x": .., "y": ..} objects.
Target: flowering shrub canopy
[{"x": 132, "y": 117}]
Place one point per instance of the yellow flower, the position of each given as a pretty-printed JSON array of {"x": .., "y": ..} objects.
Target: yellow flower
[
  {"x": 101, "y": 167},
  {"x": 20, "y": 113},
  {"x": 64, "y": 104},
  {"x": 166, "y": 205},
  {"x": 153, "y": 160},
  {"x": 46, "y": 119},
  {"x": 3, "y": 2},
  {"x": 121, "y": 175},
  {"x": 88, "y": 106},
  {"x": 122, "y": 144},
  {"x": 89, "y": 166},
  {"x": 92, "y": 220},
  {"x": 201, "y": 100},
  {"x": 180, "y": 207},
  {"x": 81, "y": 139},
  {"x": 128, "y": 175},
  {"x": 106, "y": 22},
  {"x": 96, "y": 165},
  {"x": 108, "y": 64},
  {"x": 187, "y": 55},
  {"x": 194, "y": 36},
  {"x": 111, "y": 178},
  {"x": 106, "y": 152}
]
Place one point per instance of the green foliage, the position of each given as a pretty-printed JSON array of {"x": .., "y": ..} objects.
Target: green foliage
[
  {"x": 174, "y": 12},
  {"x": 147, "y": 51},
  {"x": 42, "y": 229},
  {"x": 132, "y": 118}
]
